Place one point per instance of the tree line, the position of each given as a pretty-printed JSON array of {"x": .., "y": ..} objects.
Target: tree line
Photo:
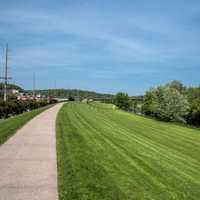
[
  {"x": 66, "y": 93},
  {"x": 169, "y": 102}
]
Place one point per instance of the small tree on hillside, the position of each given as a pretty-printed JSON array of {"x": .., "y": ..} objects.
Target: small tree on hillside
[
  {"x": 166, "y": 103},
  {"x": 122, "y": 101},
  {"x": 173, "y": 106}
]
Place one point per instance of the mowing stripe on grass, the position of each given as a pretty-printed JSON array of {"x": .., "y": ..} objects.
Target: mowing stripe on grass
[{"x": 110, "y": 154}]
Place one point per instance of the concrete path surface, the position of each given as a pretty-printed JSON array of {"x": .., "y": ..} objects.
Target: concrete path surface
[{"x": 28, "y": 166}]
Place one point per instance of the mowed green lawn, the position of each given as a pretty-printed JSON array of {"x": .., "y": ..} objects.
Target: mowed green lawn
[
  {"x": 9, "y": 126},
  {"x": 110, "y": 154}
]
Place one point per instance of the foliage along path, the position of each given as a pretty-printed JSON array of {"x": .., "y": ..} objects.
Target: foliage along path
[
  {"x": 8, "y": 127},
  {"x": 28, "y": 169},
  {"x": 109, "y": 154}
]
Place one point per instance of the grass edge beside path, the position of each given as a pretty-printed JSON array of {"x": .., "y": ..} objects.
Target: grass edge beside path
[{"x": 10, "y": 126}]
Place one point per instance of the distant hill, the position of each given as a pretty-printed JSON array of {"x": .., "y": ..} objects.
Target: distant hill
[
  {"x": 11, "y": 86},
  {"x": 65, "y": 93}
]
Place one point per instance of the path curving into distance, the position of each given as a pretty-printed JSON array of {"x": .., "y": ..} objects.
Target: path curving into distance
[{"x": 28, "y": 165}]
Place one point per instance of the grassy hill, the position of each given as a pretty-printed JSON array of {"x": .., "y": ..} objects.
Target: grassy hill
[{"x": 110, "y": 154}]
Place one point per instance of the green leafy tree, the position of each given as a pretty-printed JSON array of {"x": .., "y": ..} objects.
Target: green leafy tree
[
  {"x": 193, "y": 95},
  {"x": 122, "y": 101},
  {"x": 150, "y": 103},
  {"x": 166, "y": 103},
  {"x": 176, "y": 85},
  {"x": 194, "y": 113},
  {"x": 172, "y": 106}
]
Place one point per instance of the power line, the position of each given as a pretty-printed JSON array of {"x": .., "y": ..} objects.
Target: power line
[
  {"x": 5, "y": 77},
  {"x": 34, "y": 84},
  {"x": 55, "y": 88}
]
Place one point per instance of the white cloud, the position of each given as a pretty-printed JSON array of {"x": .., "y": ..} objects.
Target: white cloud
[{"x": 164, "y": 43}]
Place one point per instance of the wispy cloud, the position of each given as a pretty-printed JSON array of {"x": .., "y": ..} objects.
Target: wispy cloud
[{"x": 105, "y": 38}]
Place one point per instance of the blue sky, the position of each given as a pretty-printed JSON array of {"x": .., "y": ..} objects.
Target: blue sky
[{"x": 102, "y": 45}]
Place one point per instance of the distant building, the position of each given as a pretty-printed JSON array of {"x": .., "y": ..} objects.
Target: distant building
[
  {"x": 27, "y": 96},
  {"x": 22, "y": 97}
]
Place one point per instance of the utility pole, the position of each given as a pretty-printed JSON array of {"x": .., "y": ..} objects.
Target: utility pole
[{"x": 6, "y": 78}]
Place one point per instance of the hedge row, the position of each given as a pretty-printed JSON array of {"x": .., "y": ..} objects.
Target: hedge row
[{"x": 15, "y": 107}]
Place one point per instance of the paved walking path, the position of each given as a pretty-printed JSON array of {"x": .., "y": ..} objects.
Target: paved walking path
[{"x": 28, "y": 166}]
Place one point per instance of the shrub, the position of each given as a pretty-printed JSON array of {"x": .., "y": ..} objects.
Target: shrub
[{"x": 15, "y": 107}]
